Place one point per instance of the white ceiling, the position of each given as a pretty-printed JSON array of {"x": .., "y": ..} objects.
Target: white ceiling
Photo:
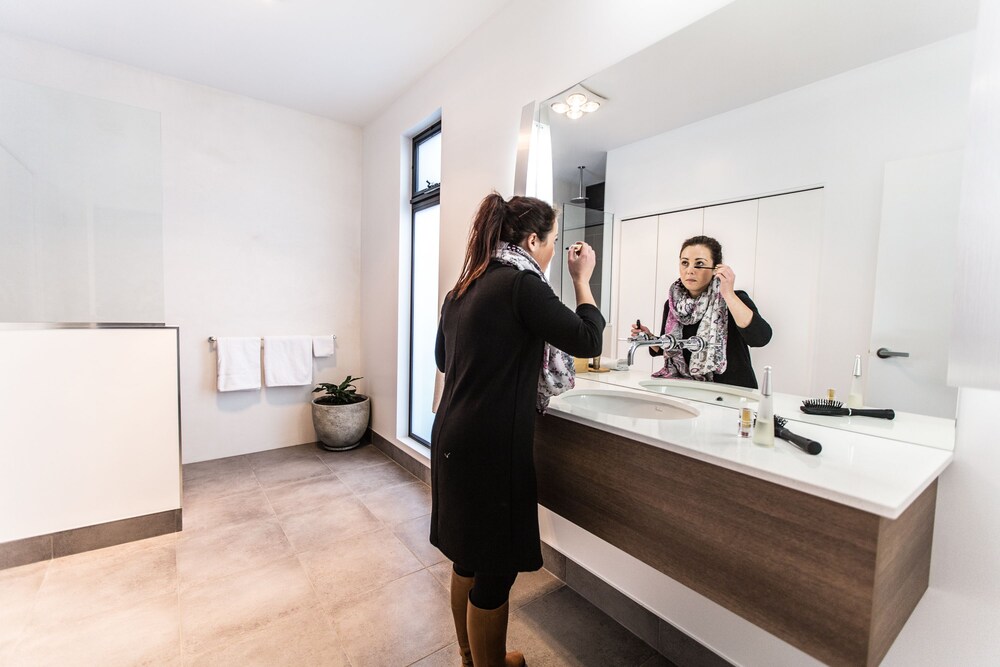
[
  {"x": 743, "y": 53},
  {"x": 343, "y": 60}
]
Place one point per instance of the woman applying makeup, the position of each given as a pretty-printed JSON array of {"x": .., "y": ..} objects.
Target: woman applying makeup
[{"x": 703, "y": 301}]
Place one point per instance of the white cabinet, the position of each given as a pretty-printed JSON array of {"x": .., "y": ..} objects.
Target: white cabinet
[
  {"x": 785, "y": 286},
  {"x": 674, "y": 229},
  {"x": 637, "y": 282},
  {"x": 735, "y": 227}
]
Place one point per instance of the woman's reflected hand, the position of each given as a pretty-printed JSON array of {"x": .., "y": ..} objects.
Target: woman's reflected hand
[
  {"x": 581, "y": 260},
  {"x": 727, "y": 278},
  {"x": 642, "y": 328}
]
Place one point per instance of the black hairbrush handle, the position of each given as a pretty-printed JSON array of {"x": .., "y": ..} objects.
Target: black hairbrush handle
[
  {"x": 800, "y": 441},
  {"x": 879, "y": 414}
]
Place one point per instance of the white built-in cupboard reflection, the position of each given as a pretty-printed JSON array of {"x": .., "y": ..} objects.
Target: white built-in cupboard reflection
[
  {"x": 773, "y": 245},
  {"x": 90, "y": 432}
]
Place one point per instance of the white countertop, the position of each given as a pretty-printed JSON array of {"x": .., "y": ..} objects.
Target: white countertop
[
  {"x": 868, "y": 472},
  {"x": 906, "y": 427}
]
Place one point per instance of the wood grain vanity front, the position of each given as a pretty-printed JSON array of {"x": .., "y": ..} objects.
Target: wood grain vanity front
[{"x": 837, "y": 582}]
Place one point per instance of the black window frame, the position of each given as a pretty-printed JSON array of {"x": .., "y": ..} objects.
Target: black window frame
[{"x": 420, "y": 199}]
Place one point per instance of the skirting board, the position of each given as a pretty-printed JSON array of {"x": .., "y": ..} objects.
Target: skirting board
[{"x": 88, "y": 538}]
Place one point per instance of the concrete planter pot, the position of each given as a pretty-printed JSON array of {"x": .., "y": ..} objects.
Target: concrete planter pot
[{"x": 341, "y": 427}]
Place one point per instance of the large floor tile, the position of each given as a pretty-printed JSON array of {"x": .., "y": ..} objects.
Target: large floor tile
[
  {"x": 321, "y": 527},
  {"x": 303, "y": 638},
  {"x": 442, "y": 572},
  {"x": 18, "y": 590},
  {"x": 215, "y": 467},
  {"x": 207, "y": 487},
  {"x": 219, "y": 552},
  {"x": 530, "y": 586},
  {"x": 401, "y": 503},
  {"x": 397, "y": 624},
  {"x": 104, "y": 580},
  {"x": 232, "y": 509},
  {"x": 562, "y": 628},
  {"x": 415, "y": 535},
  {"x": 312, "y": 493},
  {"x": 356, "y": 565},
  {"x": 353, "y": 459},
  {"x": 144, "y": 633},
  {"x": 289, "y": 469},
  {"x": 376, "y": 477},
  {"x": 261, "y": 459},
  {"x": 220, "y": 611},
  {"x": 446, "y": 657}
]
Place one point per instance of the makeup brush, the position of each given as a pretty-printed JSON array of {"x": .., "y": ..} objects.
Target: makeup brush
[
  {"x": 824, "y": 406},
  {"x": 802, "y": 442}
]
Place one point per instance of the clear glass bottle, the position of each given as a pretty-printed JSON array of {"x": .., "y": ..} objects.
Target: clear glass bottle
[
  {"x": 763, "y": 428},
  {"x": 855, "y": 398},
  {"x": 745, "y": 420}
]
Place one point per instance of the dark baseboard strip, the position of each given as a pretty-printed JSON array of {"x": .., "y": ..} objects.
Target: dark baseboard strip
[
  {"x": 416, "y": 468},
  {"x": 668, "y": 641},
  {"x": 88, "y": 538}
]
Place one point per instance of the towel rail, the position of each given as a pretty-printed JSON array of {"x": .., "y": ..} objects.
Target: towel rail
[{"x": 213, "y": 339}]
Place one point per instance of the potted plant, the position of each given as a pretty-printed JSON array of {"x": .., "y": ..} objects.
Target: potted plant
[{"x": 340, "y": 415}]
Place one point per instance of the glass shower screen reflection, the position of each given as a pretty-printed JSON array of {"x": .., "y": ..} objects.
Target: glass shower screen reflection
[{"x": 81, "y": 230}]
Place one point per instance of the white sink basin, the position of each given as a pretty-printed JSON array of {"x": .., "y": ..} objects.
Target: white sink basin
[
  {"x": 627, "y": 404},
  {"x": 706, "y": 392}
]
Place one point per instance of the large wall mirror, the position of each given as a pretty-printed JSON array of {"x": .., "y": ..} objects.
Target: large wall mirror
[{"x": 821, "y": 142}]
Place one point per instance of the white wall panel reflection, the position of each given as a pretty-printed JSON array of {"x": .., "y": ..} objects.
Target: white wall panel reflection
[{"x": 81, "y": 228}]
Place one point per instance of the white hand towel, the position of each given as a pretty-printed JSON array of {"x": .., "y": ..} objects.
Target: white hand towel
[
  {"x": 323, "y": 346},
  {"x": 238, "y": 362},
  {"x": 287, "y": 361}
]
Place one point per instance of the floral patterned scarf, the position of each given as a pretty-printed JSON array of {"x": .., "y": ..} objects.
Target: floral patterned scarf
[
  {"x": 557, "y": 374},
  {"x": 710, "y": 312}
]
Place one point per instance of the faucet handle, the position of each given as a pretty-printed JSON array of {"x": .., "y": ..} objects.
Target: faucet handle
[{"x": 694, "y": 344}]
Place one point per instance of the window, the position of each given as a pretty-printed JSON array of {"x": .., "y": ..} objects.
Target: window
[{"x": 425, "y": 220}]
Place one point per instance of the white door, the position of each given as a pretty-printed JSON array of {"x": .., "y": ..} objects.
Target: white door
[
  {"x": 913, "y": 285},
  {"x": 636, "y": 283},
  {"x": 674, "y": 229},
  {"x": 735, "y": 227},
  {"x": 789, "y": 233}
]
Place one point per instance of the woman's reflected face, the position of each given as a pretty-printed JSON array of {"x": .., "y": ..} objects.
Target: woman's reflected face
[{"x": 696, "y": 268}]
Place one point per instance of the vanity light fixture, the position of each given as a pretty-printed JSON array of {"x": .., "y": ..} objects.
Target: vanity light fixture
[{"x": 576, "y": 102}]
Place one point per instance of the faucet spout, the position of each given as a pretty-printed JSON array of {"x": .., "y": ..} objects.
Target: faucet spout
[{"x": 667, "y": 342}]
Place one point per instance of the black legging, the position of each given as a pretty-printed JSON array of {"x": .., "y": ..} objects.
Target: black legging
[{"x": 489, "y": 591}]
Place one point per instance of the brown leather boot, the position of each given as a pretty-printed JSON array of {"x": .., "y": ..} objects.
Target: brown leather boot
[
  {"x": 460, "y": 587},
  {"x": 488, "y": 638}
]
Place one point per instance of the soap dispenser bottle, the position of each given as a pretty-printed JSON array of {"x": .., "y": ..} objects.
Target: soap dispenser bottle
[
  {"x": 763, "y": 428},
  {"x": 855, "y": 398}
]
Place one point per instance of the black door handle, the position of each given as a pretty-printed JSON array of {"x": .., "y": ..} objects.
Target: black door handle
[{"x": 885, "y": 353}]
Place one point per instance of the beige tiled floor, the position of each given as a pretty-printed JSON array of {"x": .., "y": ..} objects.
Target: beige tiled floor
[{"x": 289, "y": 557}]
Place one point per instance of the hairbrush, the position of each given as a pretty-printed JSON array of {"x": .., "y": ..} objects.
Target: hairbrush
[
  {"x": 824, "y": 406},
  {"x": 802, "y": 442}
]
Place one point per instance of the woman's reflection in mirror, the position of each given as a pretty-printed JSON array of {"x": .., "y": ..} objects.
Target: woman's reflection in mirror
[{"x": 704, "y": 302}]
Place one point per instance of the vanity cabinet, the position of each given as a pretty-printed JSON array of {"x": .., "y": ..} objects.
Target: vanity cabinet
[{"x": 835, "y": 581}]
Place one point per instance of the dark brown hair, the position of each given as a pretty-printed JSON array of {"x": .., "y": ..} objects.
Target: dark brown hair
[
  {"x": 709, "y": 243},
  {"x": 498, "y": 220}
]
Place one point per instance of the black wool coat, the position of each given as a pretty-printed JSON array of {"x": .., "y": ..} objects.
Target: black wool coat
[{"x": 490, "y": 343}]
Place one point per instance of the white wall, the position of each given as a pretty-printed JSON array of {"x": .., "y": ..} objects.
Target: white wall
[
  {"x": 839, "y": 133},
  {"x": 261, "y": 217},
  {"x": 958, "y": 622}
]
